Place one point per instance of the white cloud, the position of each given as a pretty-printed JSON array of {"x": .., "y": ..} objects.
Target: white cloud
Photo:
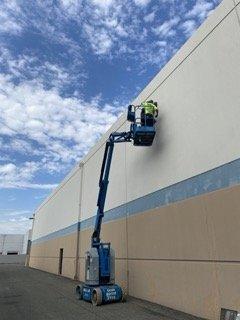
[
  {"x": 15, "y": 225},
  {"x": 14, "y": 221},
  {"x": 73, "y": 4},
  {"x": 99, "y": 39},
  {"x": 105, "y": 4},
  {"x": 150, "y": 17},
  {"x": 57, "y": 130},
  {"x": 167, "y": 29},
  {"x": 13, "y": 213},
  {"x": 13, "y": 176},
  {"x": 111, "y": 25},
  {"x": 200, "y": 10},
  {"x": 7, "y": 169},
  {"x": 11, "y": 198},
  {"x": 111, "y": 28},
  {"x": 142, "y": 3},
  {"x": 9, "y": 23},
  {"x": 48, "y": 23},
  {"x": 8, "y": 26},
  {"x": 25, "y": 67},
  {"x": 157, "y": 56},
  {"x": 188, "y": 27},
  {"x": 18, "y": 145},
  {"x": 41, "y": 196},
  {"x": 5, "y": 157}
]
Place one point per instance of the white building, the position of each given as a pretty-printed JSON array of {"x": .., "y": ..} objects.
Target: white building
[{"x": 12, "y": 244}]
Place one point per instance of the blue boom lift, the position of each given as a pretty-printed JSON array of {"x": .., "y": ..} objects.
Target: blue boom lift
[{"x": 99, "y": 286}]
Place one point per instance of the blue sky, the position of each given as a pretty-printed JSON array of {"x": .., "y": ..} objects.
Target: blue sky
[{"x": 67, "y": 70}]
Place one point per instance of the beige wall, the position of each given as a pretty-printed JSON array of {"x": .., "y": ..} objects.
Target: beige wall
[
  {"x": 185, "y": 255},
  {"x": 45, "y": 256}
]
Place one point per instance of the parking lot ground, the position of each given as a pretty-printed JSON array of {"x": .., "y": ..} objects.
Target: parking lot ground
[{"x": 30, "y": 294}]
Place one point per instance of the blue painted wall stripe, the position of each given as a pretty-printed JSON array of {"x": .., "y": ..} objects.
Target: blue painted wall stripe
[{"x": 222, "y": 177}]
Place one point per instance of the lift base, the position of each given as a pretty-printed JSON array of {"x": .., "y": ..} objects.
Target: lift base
[{"x": 100, "y": 294}]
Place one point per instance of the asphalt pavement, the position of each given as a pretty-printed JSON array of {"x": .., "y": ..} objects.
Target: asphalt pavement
[{"x": 30, "y": 294}]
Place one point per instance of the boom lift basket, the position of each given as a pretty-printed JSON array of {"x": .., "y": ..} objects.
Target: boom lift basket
[{"x": 143, "y": 130}]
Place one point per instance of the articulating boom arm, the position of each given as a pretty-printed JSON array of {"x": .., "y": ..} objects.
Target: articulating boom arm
[{"x": 116, "y": 137}]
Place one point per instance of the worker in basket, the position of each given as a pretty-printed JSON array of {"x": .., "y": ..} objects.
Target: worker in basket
[{"x": 149, "y": 113}]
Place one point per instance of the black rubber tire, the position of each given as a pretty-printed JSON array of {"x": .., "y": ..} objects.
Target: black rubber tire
[
  {"x": 96, "y": 297},
  {"x": 79, "y": 291}
]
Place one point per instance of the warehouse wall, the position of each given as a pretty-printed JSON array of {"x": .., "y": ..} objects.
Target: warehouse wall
[
  {"x": 11, "y": 243},
  {"x": 172, "y": 211},
  {"x": 117, "y": 180},
  {"x": 56, "y": 226}
]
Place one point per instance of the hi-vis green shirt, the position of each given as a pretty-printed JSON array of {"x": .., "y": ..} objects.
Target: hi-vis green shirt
[{"x": 149, "y": 108}]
